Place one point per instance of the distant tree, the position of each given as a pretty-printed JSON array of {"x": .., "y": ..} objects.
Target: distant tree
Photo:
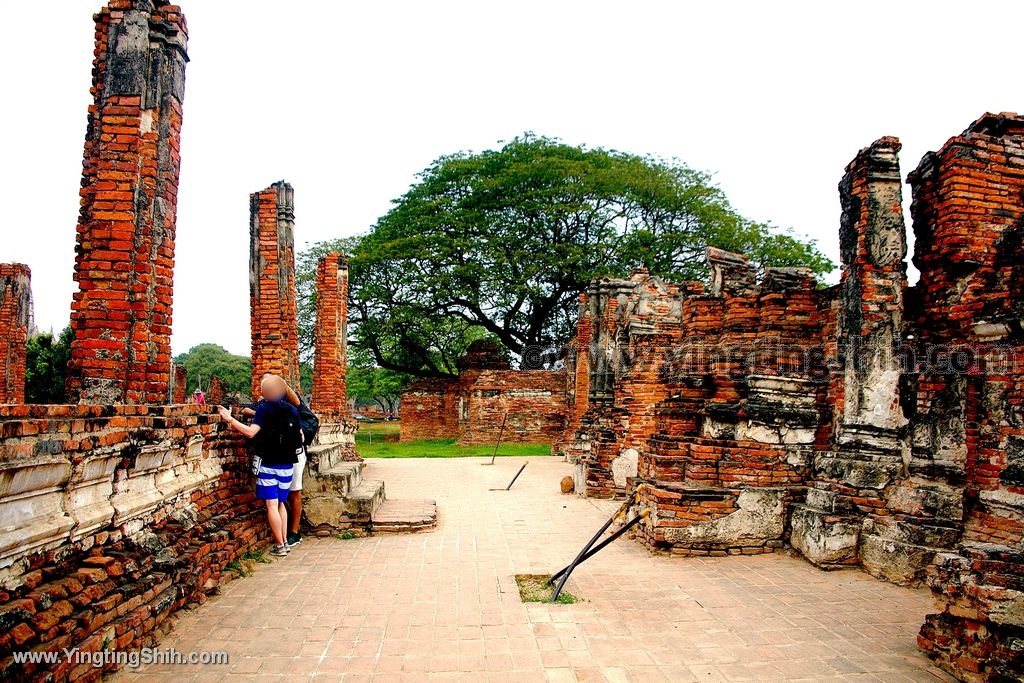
[
  {"x": 369, "y": 384},
  {"x": 501, "y": 242},
  {"x": 46, "y": 365},
  {"x": 306, "y": 378},
  {"x": 204, "y": 360}
]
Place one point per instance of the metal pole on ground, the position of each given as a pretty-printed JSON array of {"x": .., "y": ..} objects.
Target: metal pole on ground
[
  {"x": 514, "y": 478},
  {"x": 501, "y": 431},
  {"x": 579, "y": 558},
  {"x": 600, "y": 546}
]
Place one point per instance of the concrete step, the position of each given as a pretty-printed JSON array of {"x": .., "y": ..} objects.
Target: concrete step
[
  {"x": 401, "y": 516},
  {"x": 348, "y": 476},
  {"x": 365, "y": 499},
  {"x": 323, "y": 457}
]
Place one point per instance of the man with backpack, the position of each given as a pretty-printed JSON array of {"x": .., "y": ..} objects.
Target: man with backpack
[
  {"x": 309, "y": 424},
  {"x": 278, "y": 441}
]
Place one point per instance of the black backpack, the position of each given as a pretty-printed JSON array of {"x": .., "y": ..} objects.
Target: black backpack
[
  {"x": 280, "y": 438},
  {"x": 309, "y": 423}
]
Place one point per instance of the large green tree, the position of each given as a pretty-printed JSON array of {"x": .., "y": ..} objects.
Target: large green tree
[
  {"x": 498, "y": 244},
  {"x": 204, "y": 360},
  {"x": 46, "y": 365}
]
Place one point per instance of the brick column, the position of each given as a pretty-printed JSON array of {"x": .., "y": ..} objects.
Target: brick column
[
  {"x": 15, "y": 315},
  {"x": 179, "y": 382},
  {"x": 873, "y": 246},
  {"x": 331, "y": 335},
  {"x": 272, "y": 306},
  {"x": 121, "y": 314}
]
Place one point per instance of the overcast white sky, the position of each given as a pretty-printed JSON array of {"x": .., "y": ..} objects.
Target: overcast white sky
[{"x": 347, "y": 101}]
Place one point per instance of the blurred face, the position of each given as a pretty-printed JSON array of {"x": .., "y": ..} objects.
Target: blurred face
[{"x": 272, "y": 387}]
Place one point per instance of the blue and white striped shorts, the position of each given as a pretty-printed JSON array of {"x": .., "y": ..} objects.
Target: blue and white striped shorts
[{"x": 273, "y": 482}]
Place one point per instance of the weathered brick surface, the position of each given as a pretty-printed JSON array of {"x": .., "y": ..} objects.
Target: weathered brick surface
[
  {"x": 121, "y": 313},
  {"x": 331, "y": 336},
  {"x": 272, "y": 299},
  {"x": 114, "y": 518},
  {"x": 472, "y": 407},
  {"x": 15, "y": 314}
]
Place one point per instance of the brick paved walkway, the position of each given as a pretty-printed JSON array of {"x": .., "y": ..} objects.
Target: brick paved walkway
[{"x": 443, "y": 605}]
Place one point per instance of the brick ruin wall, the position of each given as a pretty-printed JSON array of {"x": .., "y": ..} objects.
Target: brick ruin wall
[
  {"x": 472, "y": 407},
  {"x": 272, "y": 301},
  {"x": 331, "y": 353},
  {"x": 867, "y": 424},
  {"x": 15, "y": 314},
  {"x": 111, "y": 519},
  {"x": 121, "y": 313}
]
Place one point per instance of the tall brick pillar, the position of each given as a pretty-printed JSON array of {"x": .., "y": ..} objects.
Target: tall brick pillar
[
  {"x": 331, "y": 335},
  {"x": 850, "y": 481},
  {"x": 873, "y": 246},
  {"x": 272, "y": 302},
  {"x": 15, "y": 314},
  {"x": 121, "y": 314}
]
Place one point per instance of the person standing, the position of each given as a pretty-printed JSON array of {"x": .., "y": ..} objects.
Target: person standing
[
  {"x": 278, "y": 441},
  {"x": 309, "y": 425}
]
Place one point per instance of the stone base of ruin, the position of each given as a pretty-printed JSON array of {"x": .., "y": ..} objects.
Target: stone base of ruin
[{"x": 337, "y": 499}]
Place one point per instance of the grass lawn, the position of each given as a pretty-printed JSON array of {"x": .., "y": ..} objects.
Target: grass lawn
[
  {"x": 380, "y": 440},
  {"x": 445, "y": 448}
]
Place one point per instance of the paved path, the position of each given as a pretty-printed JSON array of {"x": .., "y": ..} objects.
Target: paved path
[{"x": 443, "y": 605}]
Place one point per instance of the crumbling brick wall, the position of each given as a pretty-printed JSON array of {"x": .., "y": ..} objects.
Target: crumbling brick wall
[
  {"x": 272, "y": 298},
  {"x": 331, "y": 336},
  {"x": 121, "y": 313},
  {"x": 626, "y": 326},
  {"x": 473, "y": 406},
  {"x": 114, "y": 518},
  {"x": 531, "y": 404},
  {"x": 967, "y": 437},
  {"x": 15, "y": 312}
]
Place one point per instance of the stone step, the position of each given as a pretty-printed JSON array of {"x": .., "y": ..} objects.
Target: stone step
[
  {"x": 400, "y": 516},
  {"x": 827, "y": 539},
  {"x": 365, "y": 499},
  {"x": 326, "y": 456},
  {"x": 348, "y": 475}
]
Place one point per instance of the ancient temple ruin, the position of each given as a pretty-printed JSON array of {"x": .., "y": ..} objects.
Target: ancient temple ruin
[
  {"x": 867, "y": 424},
  {"x": 119, "y": 509},
  {"x": 871, "y": 424}
]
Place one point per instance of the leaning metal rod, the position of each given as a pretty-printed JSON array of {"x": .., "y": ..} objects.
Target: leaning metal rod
[
  {"x": 498, "y": 442},
  {"x": 514, "y": 478},
  {"x": 591, "y": 542},
  {"x": 600, "y": 546}
]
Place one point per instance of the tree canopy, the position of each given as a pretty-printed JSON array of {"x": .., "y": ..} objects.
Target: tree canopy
[
  {"x": 499, "y": 243},
  {"x": 46, "y": 366},
  {"x": 204, "y": 360}
]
